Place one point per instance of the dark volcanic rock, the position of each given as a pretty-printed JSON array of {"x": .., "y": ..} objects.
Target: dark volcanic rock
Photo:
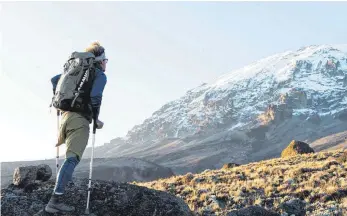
[
  {"x": 294, "y": 206},
  {"x": 24, "y": 175},
  {"x": 107, "y": 198},
  {"x": 27, "y": 175},
  {"x": 252, "y": 211},
  {"x": 44, "y": 172}
]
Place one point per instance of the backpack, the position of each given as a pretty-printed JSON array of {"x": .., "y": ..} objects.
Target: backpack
[{"x": 73, "y": 89}]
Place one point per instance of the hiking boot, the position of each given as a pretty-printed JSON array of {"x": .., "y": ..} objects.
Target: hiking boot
[{"x": 56, "y": 204}]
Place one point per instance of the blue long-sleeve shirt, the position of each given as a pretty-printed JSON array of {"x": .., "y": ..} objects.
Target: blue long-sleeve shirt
[{"x": 98, "y": 86}]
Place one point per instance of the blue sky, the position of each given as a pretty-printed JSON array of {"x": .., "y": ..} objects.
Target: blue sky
[{"x": 157, "y": 51}]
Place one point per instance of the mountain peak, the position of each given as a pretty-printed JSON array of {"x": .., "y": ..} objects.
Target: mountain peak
[
  {"x": 257, "y": 107},
  {"x": 247, "y": 91}
]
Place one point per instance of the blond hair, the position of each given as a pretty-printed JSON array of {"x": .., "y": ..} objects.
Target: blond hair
[{"x": 95, "y": 48}]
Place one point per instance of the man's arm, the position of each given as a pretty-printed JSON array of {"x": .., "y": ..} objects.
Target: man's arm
[
  {"x": 54, "y": 82},
  {"x": 96, "y": 93}
]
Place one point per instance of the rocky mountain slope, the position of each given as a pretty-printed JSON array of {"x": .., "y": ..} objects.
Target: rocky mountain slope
[
  {"x": 313, "y": 184},
  {"x": 247, "y": 115},
  {"x": 303, "y": 184}
]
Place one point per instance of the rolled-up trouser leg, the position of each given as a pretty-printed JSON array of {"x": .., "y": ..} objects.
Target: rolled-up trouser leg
[{"x": 77, "y": 134}]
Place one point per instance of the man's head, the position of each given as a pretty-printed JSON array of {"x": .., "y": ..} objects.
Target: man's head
[{"x": 99, "y": 52}]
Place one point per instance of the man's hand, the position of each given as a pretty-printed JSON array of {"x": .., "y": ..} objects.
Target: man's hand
[{"x": 99, "y": 124}]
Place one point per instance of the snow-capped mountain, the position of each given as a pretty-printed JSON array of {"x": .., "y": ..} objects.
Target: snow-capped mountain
[
  {"x": 248, "y": 114},
  {"x": 245, "y": 93}
]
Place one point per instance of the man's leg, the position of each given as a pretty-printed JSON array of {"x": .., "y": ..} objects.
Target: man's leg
[
  {"x": 77, "y": 135},
  {"x": 65, "y": 173},
  {"x": 56, "y": 203}
]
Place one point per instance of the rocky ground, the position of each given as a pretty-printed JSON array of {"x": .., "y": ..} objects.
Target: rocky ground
[
  {"x": 299, "y": 183},
  {"x": 107, "y": 199}
]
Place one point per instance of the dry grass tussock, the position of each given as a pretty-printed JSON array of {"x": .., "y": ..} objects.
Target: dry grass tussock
[{"x": 318, "y": 179}]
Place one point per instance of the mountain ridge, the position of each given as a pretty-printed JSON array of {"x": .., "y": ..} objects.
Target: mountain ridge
[{"x": 239, "y": 117}]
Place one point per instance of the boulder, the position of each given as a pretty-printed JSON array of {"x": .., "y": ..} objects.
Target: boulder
[
  {"x": 294, "y": 206},
  {"x": 24, "y": 175},
  {"x": 295, "y": 148},
  {"x": 230, "y": 165},
  {"x": 44, "y": 172},
  {"x": 252, "y": 211},
  {"x": 27, "y": 175}
]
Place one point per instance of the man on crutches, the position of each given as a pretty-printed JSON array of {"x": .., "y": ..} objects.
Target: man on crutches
[{"x": 78, "y": 95}]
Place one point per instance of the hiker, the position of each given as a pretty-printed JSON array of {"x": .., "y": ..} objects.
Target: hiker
[{"x": 74, "y": 128}]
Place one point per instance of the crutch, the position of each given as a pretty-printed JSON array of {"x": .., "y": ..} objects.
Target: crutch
[
  {"x": 91, "y": 166},
  {"x": 57, "y": 157}
]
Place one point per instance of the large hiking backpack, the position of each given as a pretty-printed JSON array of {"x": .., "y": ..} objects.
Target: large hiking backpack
[{"x": 73, "y": 89}]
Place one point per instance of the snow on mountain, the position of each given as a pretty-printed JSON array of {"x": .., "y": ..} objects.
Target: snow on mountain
[
  {"x": 247, "y": 115},
  {"x": 235, "y": 99}
]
